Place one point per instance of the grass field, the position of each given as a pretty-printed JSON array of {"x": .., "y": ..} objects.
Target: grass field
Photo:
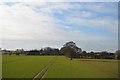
[
  {"x": 0, "y": 66},
  {"x": 57, "y": 67}
]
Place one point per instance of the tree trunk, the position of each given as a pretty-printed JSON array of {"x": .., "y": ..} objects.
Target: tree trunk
[{"x": 71, "y": 56}]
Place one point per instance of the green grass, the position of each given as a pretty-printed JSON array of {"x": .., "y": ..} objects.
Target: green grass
[
  {"x": 83, "y": 68},
  {"x": 0, "y": 65},
  {"x": 29, "y": 66},
  {"x": 23, "y": 66}
]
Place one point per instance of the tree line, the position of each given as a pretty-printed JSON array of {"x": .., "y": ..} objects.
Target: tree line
[{"x": 69, "y": 50}]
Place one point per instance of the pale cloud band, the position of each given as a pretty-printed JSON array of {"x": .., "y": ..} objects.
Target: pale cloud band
[{"x": 60, "y": 0}]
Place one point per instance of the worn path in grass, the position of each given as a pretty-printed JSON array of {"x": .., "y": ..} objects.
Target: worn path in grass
[{"x": 45, "y": 69}]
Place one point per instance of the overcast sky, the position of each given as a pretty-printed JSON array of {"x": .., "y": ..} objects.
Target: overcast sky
[{"x": 93, "y": 26}]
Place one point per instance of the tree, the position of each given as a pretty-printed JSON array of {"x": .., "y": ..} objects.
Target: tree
[
  {"x": 33, "y": 52},
  {"x": 92, "y": 54},
  {"x": 49, "y": 51},
  {"x": 19, "y": 51},
  {"x": 83, "y": 54},
  {"x": 70, "y": 50},
  {"x": 117, "y": 54},
  {"x": 104, "y": 55}
]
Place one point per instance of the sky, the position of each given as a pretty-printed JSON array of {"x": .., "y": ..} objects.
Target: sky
[{"x": 93, "y": 26}]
